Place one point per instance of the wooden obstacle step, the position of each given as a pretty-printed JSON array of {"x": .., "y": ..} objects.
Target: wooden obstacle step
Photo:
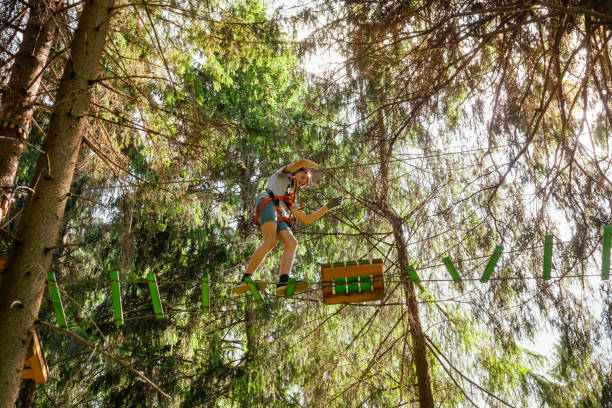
[
  {"x": 352, "y": 282},
  {"x": 35, "y": 366}
]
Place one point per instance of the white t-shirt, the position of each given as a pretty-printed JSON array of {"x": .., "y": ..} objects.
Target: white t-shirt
[{"x": 279, "y": 182}]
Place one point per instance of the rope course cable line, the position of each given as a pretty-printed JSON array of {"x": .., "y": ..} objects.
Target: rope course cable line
[
  {"x": 321, "y": 284},
  {"x": 237, "y": 305},
  {"x": 412, "y": 156},
  {"x": 195, "y": 282}
]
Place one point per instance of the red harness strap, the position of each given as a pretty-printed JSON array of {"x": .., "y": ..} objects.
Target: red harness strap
[{"x": 287, "y": 198}]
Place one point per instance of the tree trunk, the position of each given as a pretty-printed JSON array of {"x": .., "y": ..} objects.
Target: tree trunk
[
  {"x": 26, "y": 394},
  {"x": 22, "y": 288},
  {"x": 419, "y": 347},
  {"x": 22, "y": 89}
]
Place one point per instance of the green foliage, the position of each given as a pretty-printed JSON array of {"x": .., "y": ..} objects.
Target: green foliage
[{"x": 199, "y": 102}]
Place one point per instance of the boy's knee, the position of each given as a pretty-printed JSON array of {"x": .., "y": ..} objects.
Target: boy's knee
[
  {"x": 269, "y": 245},
  {"x": 292, "y": 245}
]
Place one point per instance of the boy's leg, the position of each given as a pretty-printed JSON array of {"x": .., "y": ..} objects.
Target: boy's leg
[
  {"x": 290, "y": 245},
  {"x": 269, "y": 241}
]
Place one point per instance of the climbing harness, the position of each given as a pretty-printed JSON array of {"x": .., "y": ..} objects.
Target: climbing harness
[
  {"x": 291, "y": 202},
  {"x": 289, "y": 199}
]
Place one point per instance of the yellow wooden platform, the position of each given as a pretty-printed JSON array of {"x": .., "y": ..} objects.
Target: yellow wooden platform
[{"x": 35, "y": 366}]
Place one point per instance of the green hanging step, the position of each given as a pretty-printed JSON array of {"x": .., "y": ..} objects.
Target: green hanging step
[
  {"x": 254, "y": 290},
  {"x": 605, "y": 252},
  {"x": 56, "y": 299},
  {"x": 205, "y": 295},
  {"x": 548, "y": 248},
  {"x": 413, "y": 274},
  {"x": 451, "y": 269},
  {"x": 491, "y": 265},
  {"x": 290, "y": 288},
  {"x": 116, "y": 294},
  {"x": 154, "y": 290}
]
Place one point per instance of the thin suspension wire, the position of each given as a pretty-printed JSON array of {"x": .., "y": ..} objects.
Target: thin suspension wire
[
  {"x": 237, "y": 305},
  {"x": 411, "y": 156}
]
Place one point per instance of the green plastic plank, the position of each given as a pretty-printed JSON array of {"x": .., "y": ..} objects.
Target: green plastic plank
[
  {"x": 548, "y": 248},
  {"x": 56, "y": 299},
  {"x": 413, "y": 274},
  {"x": 605, "y": 252},
  {"x": 154, "y": 290},
  {"x": 491, "y": 265},
  {"x": 290, "y": 288},
  {"x": 451, "y": 269},
  {"x": 205, "y": 295},
  {"x": 116, "y": 294},
  {"x": 253, "y": 288}
]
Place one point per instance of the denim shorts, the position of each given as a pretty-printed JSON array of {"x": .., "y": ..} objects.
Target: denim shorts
[{"x": 268, "y": 213}]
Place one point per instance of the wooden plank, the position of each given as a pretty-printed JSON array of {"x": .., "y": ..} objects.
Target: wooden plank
[
  {"x": 56, "y": 300},
  {"x": 348, "y": 263},
  {"x": 205, "y": 295},
  {"x": 356, "y": 270},
  {"x": 154, "y": 290},
  {"x": 329, "y": 273},
  {"x": 605, "y": 252},
  {"x": 354, "y": 298},
  {"x": 116, "y": 294},
  {"x": 451, "y": 269},
  {"x": 491, "y": 265},
  {"x": 548, "y": 248},
  {"x": 3, "y": 263},
  {"x": 35, "y": 366}
]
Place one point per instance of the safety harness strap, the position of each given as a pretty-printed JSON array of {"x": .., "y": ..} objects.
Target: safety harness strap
[{"x": 287, "y": 198}]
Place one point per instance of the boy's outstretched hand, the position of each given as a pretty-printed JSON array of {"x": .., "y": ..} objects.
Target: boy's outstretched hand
[{"x": 334, "y": 202}]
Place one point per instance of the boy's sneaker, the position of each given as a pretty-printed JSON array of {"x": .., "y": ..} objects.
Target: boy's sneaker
[{"x": 243, "y": 286}]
